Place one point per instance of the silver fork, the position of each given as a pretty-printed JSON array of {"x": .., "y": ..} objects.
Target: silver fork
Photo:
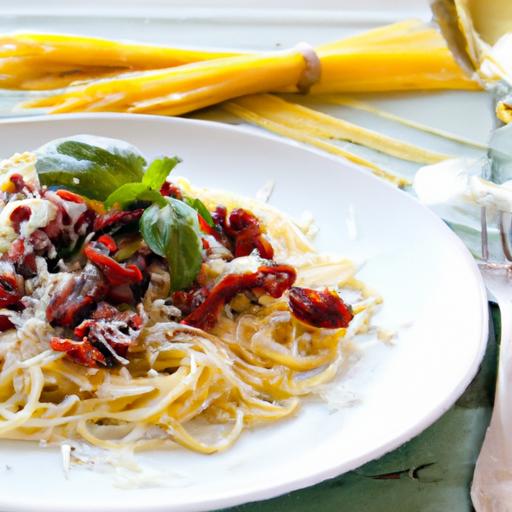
[{"x": 491, "y": 490}]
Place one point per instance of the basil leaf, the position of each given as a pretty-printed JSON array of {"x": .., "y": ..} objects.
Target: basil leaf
[
  {"x": 152, "y": 196},
  {"x": 131, "y": 192},
  {"x": 153, "y": 228},
  {"x": 125, "y": 194},
  {"x": 200, "y": 208},
  {"x": 158, "y": 170},
  {"x": 173, "y": 232},
  {"x": 90, "y": 166},
  {"x": 148, "y": 189}
]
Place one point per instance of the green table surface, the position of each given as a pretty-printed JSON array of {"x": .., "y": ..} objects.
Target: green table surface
[{"x": 430, "y": 473}]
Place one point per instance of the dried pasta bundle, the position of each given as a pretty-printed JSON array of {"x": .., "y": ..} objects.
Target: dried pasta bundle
[
  {"x": 403, "y": 56},
  {"x": 35, "y": 61}
]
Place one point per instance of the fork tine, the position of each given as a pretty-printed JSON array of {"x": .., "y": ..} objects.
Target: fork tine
[
  {"x": 484, "y": 238},
  {"x": 505, "y": 226}
]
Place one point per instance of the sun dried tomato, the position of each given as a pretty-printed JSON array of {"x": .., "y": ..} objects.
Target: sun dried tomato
[
  {"x": 18, "y": 215},
  {"x": 225, "y": 235},
  {"x": 319, "y": 308},
  {"x": 16, "y": 251},
  {"x": 116, "y": 219},
  {"x": 108, "y": 326},
  {"x": 75, "y": 298},
  {"x": 108, "y": 242},
  {"x": 21, "y": 254},
  {"x": 171, "y": 190},
  {"x": 55, "y": 228},
  {"x": 19, "y": 183},
  {"x": 122, "y": 294},
  {"x": 40, "y": 241},
  {"x": 115, "y": 272},
  {"x": 106, "y": 311},
  {"x": 69, "y": 196},
  {"x": 85, "y": 221},
  {"x": 206, "y": 228},
  {"x": 73, "y": 220},
  {"x": 248, "y": 235},
  {"x": 108, "y": 329},
  {"x": 127, "y": 293},
  {"x": 23, "y": 251},
  {"x": 5, "y": 323},
  {"x": 188, "y": 301},
  {"x": 81, "y": 352},
  {"x": 10, "y": 289},
  {"x": 217, "y": 231},
  {"x": 243, "y": 231},
  {"x": 219, "y": 217},
  {"x": 274, "y": 280}
]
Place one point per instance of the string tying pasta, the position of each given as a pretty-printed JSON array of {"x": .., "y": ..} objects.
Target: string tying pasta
[{"x": 312, "y": 72}]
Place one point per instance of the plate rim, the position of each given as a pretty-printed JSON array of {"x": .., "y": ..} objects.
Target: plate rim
[{"x": 333, "y": 470}]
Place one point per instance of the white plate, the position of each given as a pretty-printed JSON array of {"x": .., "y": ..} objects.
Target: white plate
[{"x": 427, "y": 278}]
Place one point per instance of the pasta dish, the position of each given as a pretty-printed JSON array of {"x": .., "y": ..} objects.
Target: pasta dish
[{"x": 138, "y": 310}]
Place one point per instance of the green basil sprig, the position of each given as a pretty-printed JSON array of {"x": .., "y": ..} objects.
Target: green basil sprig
[
  {"x": 131, "y": 192},
  {"x": 173, "y": 233},
  {"x": 148, "y": 189},
  {"x": 158, "y": 170},
  {"x": 91, "y": 166},
  {"x": 104, "y": 169}
]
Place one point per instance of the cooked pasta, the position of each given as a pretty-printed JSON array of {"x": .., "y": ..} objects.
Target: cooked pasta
[{"x": 99, "y": 342}]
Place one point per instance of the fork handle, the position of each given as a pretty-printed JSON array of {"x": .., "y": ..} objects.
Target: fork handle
[{"x": 491, "y": 490}]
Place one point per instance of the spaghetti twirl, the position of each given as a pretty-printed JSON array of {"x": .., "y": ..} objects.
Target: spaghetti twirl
[{"x": 132, "y": 318}]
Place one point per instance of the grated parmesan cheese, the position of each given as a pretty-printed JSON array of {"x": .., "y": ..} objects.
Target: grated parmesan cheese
[
  {"x": 386, "y": 335},
  {"x": 42, "y": 213},
  {"x": 264, "y": 193}
]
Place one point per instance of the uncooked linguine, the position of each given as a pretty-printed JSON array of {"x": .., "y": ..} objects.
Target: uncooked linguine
[{"x": 135, "y": 305}]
